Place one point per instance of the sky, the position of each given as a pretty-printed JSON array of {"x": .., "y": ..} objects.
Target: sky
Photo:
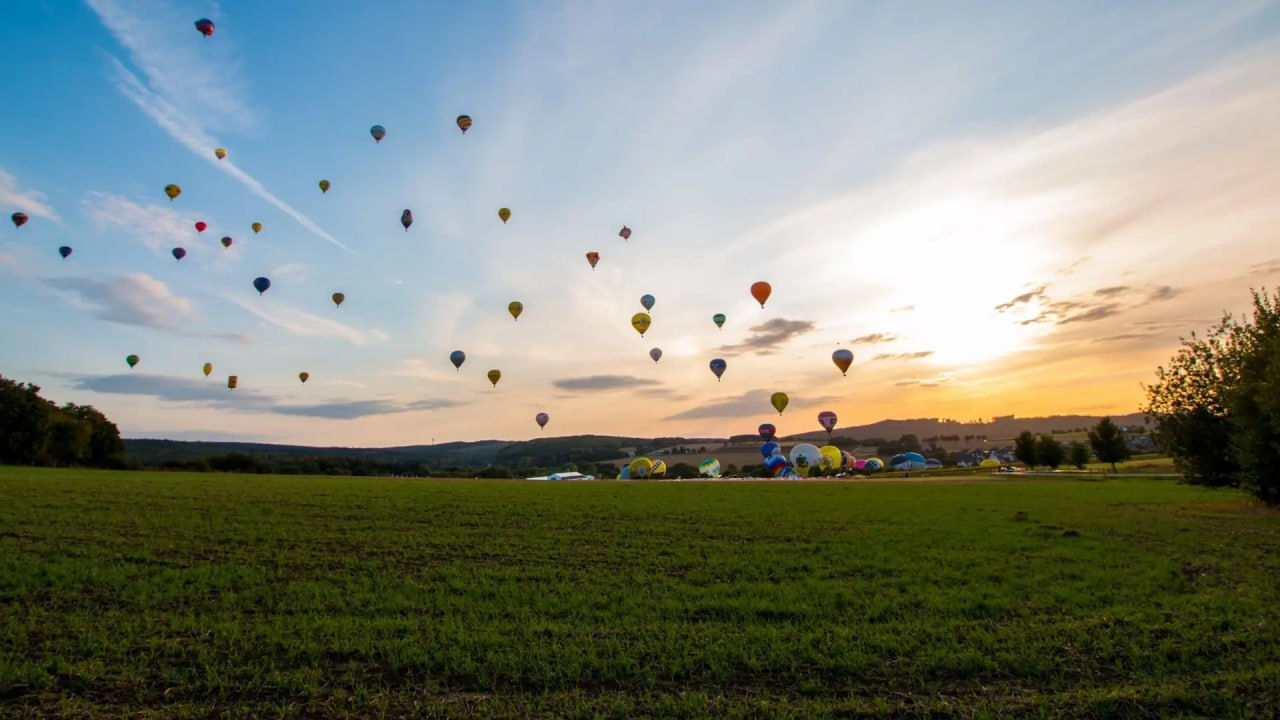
[{"x": 998, "y": 208}]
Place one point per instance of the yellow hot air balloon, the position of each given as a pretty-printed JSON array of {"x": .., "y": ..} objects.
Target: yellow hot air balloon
[
  {"x": 324, "y": 186},
  {"x": 504, "y": 214},
  {"x": 232, "y": 381},
  {"x": 640, "y": 467},
  {"x": 208, "y": 368},
  {"x": 779, "y": 401},
  {"x": 464, "y": 123},
  {"x": 172, "y": 191},
  {"x": 303, "y": 376},
  {"x": 220, "y": 153},
  {"x": 338, "y": 298},
  {"x": 515, "y": 308},
  {"x": 495, "y": 376},
  {"x": 257, "y": 228},
  {"x": 641, "y": 322}
]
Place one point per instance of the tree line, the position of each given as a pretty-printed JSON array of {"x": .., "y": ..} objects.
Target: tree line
[
  {"x": 1106, "y": 442},
  {"x": 35, "y": 431}
]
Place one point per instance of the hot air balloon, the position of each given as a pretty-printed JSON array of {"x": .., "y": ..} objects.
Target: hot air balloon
[
  {"x": 406, "y": 219},
  {"x": 172, "y": 191},
  {"x": 378, "y": 132},
  {"x": 132, "y": 360},
  {"x": 656, "y": 354},
  {"x": 324, "y": 186},
  {"x": 718, "y": 366},
  {"x": 646, "y": 301},
  {"x": 232, "y": 381},
  {"x": 178, "y": 253},
  {"x": 338, "y": 298},
  {"x": 761, "y": 291},
  {"x": 830, "y": 457},
  {"x": 843, "y": 359},
  {"x": 718, "y": 319},
  {"x": 641, "y": 322},
  {"x": 659, "y": 468},
  {"x": 805, "y": 457},
  {"x": 257, "y": 228},
  {"x": 226, "y": 242},
  {"x": 776, "y": 465},
  {"x": 204, "y": 26},
  {"x": 779, "y": 401},
  {"x": 593, "y": 257},
  {"x": 504, "y": 214},
  {"x": 64, "y": 251},
  {"x": 20, "y": 218},
  {"x": 457, "y": 357},
  {"x": 208, "y": 368},
  {"x": 495, "y": 376},
  {"x": 709, "y": 468},
  {"x": 515, "y": 307},
  {"x": 261, "y": 284},
  {"x": 200, "y": 226},
  {"x": 464, "y": 123},
  {"x": 304, "y": 376},
  {"x": 220, "y": 153},
  {"x": 827, "y": 420},
  {"x": 767, "y": 431},
  {"x": 541, "y": 418},
  {"x": 770, "y": 449},
  {"x": 625, "y": 233}
]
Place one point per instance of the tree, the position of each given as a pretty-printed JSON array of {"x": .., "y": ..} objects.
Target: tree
[
  {"x": 1078, "y": 455},
  {"x": 1108, "y": 443},
  {"x": 1254, "y": 400},
  {"x": 104, "y": 437},
  {"x": 1049, "y": 451},
  {"x": 24, "y": 423},
  {"x": 1025, "y": 447},
  {"x": 68, "y": 442}
]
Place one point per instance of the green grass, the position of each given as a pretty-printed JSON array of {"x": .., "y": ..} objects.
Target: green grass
[{"x": 174, "y": 595}]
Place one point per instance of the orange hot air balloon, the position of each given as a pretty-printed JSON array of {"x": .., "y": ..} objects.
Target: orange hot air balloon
[
  {"x": 338, "y": 298},
  {"x": 220, "y": 153},
  {"x": 593, "y": 258},
  {"x": 761, "y": 291},
  {"x": 464, "y": 123},
  {"x": 257, "y": 228},
  {"x": 304, "y": 376}
]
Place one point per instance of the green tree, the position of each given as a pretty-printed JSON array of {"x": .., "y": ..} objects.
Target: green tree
[
  {"x": 1107, "y": 442},
  {"x": 1078, "y": 455},
  {"x": 104, "y": 437},
  {"x": 68, "y": 442},
  {"x": 1025, "y": 448},
  {"x": 1049, "y": 451},
  {"x": 1254, "y": 399},
  {"x": 24, "y": 423}
]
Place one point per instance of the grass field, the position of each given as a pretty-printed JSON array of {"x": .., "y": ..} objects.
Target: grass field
[{"x": 172, "y": 595}]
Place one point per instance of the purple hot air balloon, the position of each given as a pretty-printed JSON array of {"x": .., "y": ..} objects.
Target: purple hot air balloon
[
  {"x": 406, "y": 219},
  {"x": 827, "y": 420},
  {"x": 261, "y": 284},
  {"x": 718, "y": 367},
  {"x": 64, "y": 251},
  {"x": 542, "y": 418},
  {"x": 179, "y": 253}
]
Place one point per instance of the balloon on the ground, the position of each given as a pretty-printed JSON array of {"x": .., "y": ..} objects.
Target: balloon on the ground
[
  {"x": 208, "y": 368},
  {"x": 200, "y": 226},
  {"x": 625, "y": 233},
  {"x": 515, "y": 307},
  {"x": 226, "y": 242},
  {"x": 770, "y": 449},
  {"x": 494, "y": 376},
  {"x": 847, "y": 459},
  {"x": 647, "y": 301},
  {"x": 504, "y": 214},
  {"x": 457, "y": 357},
  {"x": 64, "y": 251},
  {"x": 767, "y": 430},
  {"x": 779, "y": 401},
  {"x": 406, "y": 219},
  {"x": 261, "y": 284},
  {"x": 805, "y": 457},
  {"x": 718, "y": 319},
  {"x": 640, "y": 467},
  {"x": 625, "y": 474},
  {"x": 220, "y": 153},
  {"x": 761, "y": 291},
  {"x": 659, "y": 468},
  {"x": 132, "y": 360},
  {"x": 827, "y": 420},
  {"x": 178, "y": 253},
  {"x": 464, "y": 123},
  {"x": 656, "y": 354},
  {"x": 989, "y": 462},
  {"x": 172, "y": 191},
  {"x": 916, "y": 461},
  {"x": 831, "y": 457},
  {"x": 204, "y": 26},
  {"x": 257, "y": 228},
  {"x": 709, "y": 468},
  {"x": 843, "y": 359},
  {"x": 378, "y": 132},
  {"x": 859, "y": 464},
  {"x": 304, "y": 376},
  {"x": 718, "y": 367},
  {"x": 541, "y": 418},
  {"x": 338, "y": 299},
  {"x": 932, "y": 464},
  {"x": 19, "y": 219},
  {"x": 324, "y": 186},
  {"x": 873, "y": 464},
  {"x": 641, "y": 322},
  {"x": 593, "y": 257},
  {"x": 776, "y": 464}
]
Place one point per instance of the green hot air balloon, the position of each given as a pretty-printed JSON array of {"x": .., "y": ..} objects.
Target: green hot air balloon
[
  {"x": 132, "y": 360},
  {"x": 718, "y": 319}
]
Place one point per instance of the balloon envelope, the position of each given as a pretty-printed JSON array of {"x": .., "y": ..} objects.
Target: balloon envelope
[
  {"x": 767, "y": 431},
  {"x": 406, "y": 219},
  {"x": 874, "y": 464},
  {"x": 593, "y": 257},
  {"x": 132, "y": 360},
  {"x": 659, "y": 468},
  {"x": 805, "y": 457},
  {"x": 378, "y": 132},
  {"x": 827, "y": 420},
  {"x": 718, "y": 367},
  {"x": 843, "y": 359},
  {"x": 504, "y": 214},
  {"x": 640, "y": 467},
  {"x": 625, "y": 233},
  {"x": 232, "y": 381},
  {"x": 641, "y": 322},
  {"x": 208, "y": 368},
  {"x": 172, "y": 191},
  {"x": 656, "y": 354},
  {"x": 831, "y": 457},
  {"x": 646, "y": 301},
  {"x": 761, "y": 291},
  {"x": 770, "y": 449},
  {"x": 338, "y": 298},
  {"x": 541, "y": 418},
  {"x": 324, "y": 186},
  {"x": 64, "y": 251},
  {"x": 464, "y": 123},
  {"x": 226, "y": 242},
  {"x": 494, "y": 376},
  {"x": 19, "y": 219},
  {"x": 220, "y": 153},
  {"x": 178, "y": 253},
  {"x": 205, "y": 26},
  {"x": 257, "y": 228},
  {"x": 515, "y": 307},
  {"x": 304, "y": 376},
  {"x": 779, "y": 401},
  {"x": 200, "y": 226},
  {"x": 718, "y": 319},
  {"x": 457, "y": 357},
  {"x": 261, "y": 284},
  {"x": 709, "y": 468}
]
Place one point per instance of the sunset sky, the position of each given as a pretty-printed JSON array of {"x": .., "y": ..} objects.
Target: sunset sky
[{"x": 999, "y": 208}]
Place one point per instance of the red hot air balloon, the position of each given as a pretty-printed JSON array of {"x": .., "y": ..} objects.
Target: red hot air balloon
[
  {"x": 200, "y": 226},
  {"x": 226, "y": 242},
  {"x": 204, "y": 26},
  {"x": 767, "y": 431},
  {"x": 19, "y": 219},
  {"x": 761, "y": 291},
  {"x": 179, "y": 253},
  {"x": 625, "y": 233},
  {"x": 593, "y": 257}
]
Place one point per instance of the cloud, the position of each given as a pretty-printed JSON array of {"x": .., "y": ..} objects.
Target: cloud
[
  {"x": 159, "y": 227},
  {"x": 1265, "y": 268},
  {"x": 604, "y": 383},
  {"x": 298, "y": 322},
  {"x": 1113, "y": 290},
  {"x": 212, "y": 393},
  {"x": 1022, "y": 299},
  {"x": 768, "y": 336},
  {"x": 1164, "y": 292},
  {"x": 746, "y": 404},
  {"x": 235, "y": 337},
  {"x": 32, "y": 202},
  {"x": 903, "y": 308},
  {"x": 1092, "y": 314},
  {"x": 873, "y": 338},
  {"x": 904, "y": 356},
  {"x": 133, "y": 299}
]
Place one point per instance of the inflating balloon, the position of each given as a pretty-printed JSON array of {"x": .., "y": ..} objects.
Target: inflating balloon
[
  {"x": 504, "y": 214},
  {"x": 641, "y": 467},
  {"x": 779, "y": 401},
  {"x": 656, "y": 354},
  {"x": 709, "y": 468},
  {"x": 718, "y": 367},
  {"x": 541, "y": 418},
  {"x": 831, "y": 458},
  {"x": 220, "y": 153},
  {"x": 515, "y": 307},
  {"x": 261, "y": 284},
  {"x": 304, "y": 376},
  {"x": 718, "y": 319},
  {"x": 232, "y": 381},
  {"x": 761, "y": 291},
  {"x": 659, "y": 468},
  {"x": 457, "y": 357},
  {"x": 843, "y": 359},
  {"x": 205, "y": 27},
  {"x": 767, "y": 431},
  {"x": 378, "y": 132},
  {"x": 208, "y": 368},
  {"x": 805, "y": 457},
  {"x": 338, "y": 298},
  {"x": 495, "y": 376},
  {"x": 172, "y": 191},
  {"x": 827, "y": 420},
  {"x": 64, "y": 251},
  {"x": 646, "y": 302},
  {"x": 406, "y": 219},
  {"x": 593, "y": 257},
  {"x": 464, "y": 123},
  {"x": 226, "y": 242},
  {"x": 770, "y": 449},
  {"x": 200, "y": 226},
  {"x": 132, "y": 360},
  {"x": 19, "y": 219},
  {"x": 178, "y": 253},
  {"x": 324, "y": 186},
  {"x": 257, "y": 228},
  {"x": 625, "y": 233},
  {"x": 641, "y": 322},
  {"x": 776, "y": 464}
]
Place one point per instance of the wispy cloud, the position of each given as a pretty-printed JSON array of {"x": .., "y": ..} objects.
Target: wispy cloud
[
  {"x": 171, "y": 70},
  {"x": 601, "y": 383},
  {"x": 299, "y": 322},
  {"x": 133, "y": 299},
  {"x": 750, "y": 403},
  {"x": 32, "y": 202},
  {"x": 873, "y": 338},
  {"x": 158, "y": 227},
  {"x": 904, "y": 356},
  {"x": 770, "y": 335}
]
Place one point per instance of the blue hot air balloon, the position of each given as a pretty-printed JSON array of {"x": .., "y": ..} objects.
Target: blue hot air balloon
[
  {"x": 718, "y": 366},
  {"x": 64, "y": 251},
  {"x": 770, "y": 449},
  {"x": 647, "y": 301},
  {"x": 457, "y": 357},
  {"x": 261, "y": 284}
]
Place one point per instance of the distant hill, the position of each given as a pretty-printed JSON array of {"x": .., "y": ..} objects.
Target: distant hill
[{"x": 999, "y": 428}]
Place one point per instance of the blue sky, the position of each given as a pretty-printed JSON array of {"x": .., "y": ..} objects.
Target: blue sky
[{"x": 998, "y": 209}]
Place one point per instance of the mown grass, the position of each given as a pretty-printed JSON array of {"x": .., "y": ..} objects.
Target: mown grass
[{"x": 173, "y": 595}]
